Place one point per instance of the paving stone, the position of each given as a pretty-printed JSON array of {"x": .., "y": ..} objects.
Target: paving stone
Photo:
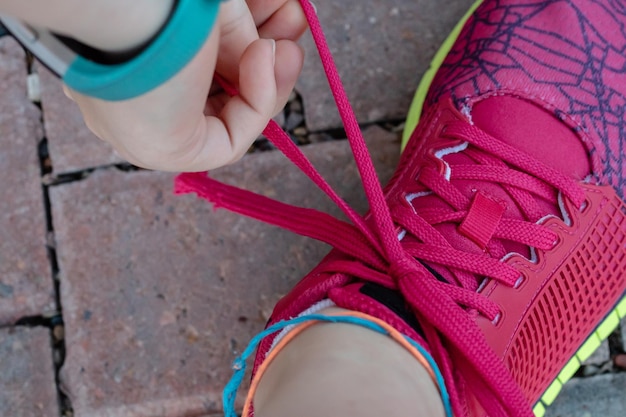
[
  {"x": 160, "y": 292},
  {"x": 71, "y": 145},
  {"x": 25, "y": 279},
  {"x": 27, "y": 377},
  {"x": 599, "y": 396},
  {"x": 381, "y": 49}
]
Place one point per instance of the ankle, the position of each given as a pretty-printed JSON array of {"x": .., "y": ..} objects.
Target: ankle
[{"x": 342, "y": 369}]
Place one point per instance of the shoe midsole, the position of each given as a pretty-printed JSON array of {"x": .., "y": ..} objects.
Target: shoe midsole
[{"x": 595, "y": 339}]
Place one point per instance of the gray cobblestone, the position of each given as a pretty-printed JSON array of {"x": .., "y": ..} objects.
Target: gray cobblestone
[
  {"x": 71, "y": 145},
  {"x": 27, "y": 374},
  {"x": 598, "y": 396},
  {"x": 25, "y": 279},
  {"x": 381, "y": 50}
]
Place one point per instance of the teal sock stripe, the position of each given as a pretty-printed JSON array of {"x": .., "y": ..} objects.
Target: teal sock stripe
[
  {"x": 239, "y": 364},
  {"x": 176, "y": 45}
]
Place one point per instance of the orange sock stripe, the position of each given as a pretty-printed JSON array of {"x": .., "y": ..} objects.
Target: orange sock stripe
[{"x": 392, "y": 332}]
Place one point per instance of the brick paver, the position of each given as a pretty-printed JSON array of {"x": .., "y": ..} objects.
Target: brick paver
[
  {"x": 599, "y": 396},
  {"x": 71, "y": 145},
  {"x": 27, "y": 386},
  {"x": 25, "y": 279},
  {"x": 160, "y": 291},
  {"x": 381, "y": 49}
]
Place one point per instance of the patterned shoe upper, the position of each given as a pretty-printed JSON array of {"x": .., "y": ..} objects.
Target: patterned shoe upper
[{"x": 567, "y": 56}]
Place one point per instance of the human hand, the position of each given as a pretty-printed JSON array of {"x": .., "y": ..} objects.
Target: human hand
[{"x": 189, "y": 123}]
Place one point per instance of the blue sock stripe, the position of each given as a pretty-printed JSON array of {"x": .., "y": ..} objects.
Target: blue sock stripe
[{"x": 239, "y": 364}]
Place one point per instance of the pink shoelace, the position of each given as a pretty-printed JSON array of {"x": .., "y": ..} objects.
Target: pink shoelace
[{"x": 374, "y": 252}]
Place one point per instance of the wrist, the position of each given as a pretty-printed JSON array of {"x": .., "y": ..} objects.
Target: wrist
[
  {"x": 108, "y": 77},
  {"x": 123, "y": 59},
  {"x": 108, "y": 25},
  {"x": 116, "y": 25}
]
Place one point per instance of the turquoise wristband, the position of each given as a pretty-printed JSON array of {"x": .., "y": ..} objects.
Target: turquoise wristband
[{"x": 179, "y": 41}]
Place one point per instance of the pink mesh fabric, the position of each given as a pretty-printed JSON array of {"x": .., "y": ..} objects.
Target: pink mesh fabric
[{"x": 594, "y": 272}]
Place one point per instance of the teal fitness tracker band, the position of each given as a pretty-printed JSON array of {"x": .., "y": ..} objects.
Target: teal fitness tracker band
[{"x": 179, "y": 40}]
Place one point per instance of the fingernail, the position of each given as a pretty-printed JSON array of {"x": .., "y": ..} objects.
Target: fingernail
[
  {"x": 273, "y": 52},
  {"x": 314, "y": 6}
]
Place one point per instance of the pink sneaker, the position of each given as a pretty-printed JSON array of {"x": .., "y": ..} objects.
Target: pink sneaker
[{"x": 500, "y": 243}]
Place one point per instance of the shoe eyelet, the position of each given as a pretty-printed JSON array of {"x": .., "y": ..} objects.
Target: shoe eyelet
[
  {"x": 497, "y": 319},
  {"x": 520, "y": 281},
  {"x": 584, "y": 206},
  {"x": 482, "y": 285},
  {"x": 557, "y": 242}
]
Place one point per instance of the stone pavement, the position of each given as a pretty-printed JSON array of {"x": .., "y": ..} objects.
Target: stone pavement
[{"x": 118, "y": 299}]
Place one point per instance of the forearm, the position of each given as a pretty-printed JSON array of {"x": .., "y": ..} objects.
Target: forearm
[{"x": 112, "y": 25}]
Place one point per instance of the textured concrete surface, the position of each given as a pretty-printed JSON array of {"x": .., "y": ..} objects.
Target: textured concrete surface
[
  {"x": 160, "y": 292},
  {"x": 27, "y": 376},
  {"x": 71, "y": 145},
  {"x": 381, "y": 49},
  {"x": 25, "y": 279},
  {"x": 599, "y": 396}
]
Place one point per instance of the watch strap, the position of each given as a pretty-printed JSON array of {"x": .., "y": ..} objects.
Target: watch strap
[{"x": 180, "y": 39}]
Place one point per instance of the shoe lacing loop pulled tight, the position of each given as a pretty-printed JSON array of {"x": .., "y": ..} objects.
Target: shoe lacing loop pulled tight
[{"x": 375, "y": 253}]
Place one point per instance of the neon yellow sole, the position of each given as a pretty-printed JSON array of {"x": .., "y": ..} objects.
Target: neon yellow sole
[
  {"x": 606, "y": 327},
  {"x": 612, "y": 320}
]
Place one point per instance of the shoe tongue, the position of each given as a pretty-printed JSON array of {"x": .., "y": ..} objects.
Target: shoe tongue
[{"x": 533, "y": 131}]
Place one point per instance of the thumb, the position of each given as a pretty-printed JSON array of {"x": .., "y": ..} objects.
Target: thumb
[{"x": 225, "y": 137}]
